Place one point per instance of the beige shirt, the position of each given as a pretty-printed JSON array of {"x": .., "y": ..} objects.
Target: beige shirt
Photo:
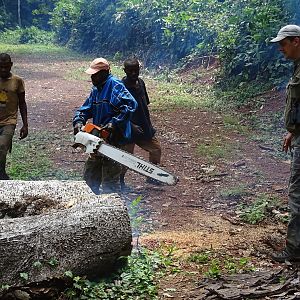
[{"x": 9, "y": 100}]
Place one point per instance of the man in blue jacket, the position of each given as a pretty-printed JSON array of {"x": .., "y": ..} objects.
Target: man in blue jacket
[{"x": 109, "y": 104}]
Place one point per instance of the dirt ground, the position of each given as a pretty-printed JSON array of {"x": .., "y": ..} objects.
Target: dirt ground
[{"x": 192, "y": 215}]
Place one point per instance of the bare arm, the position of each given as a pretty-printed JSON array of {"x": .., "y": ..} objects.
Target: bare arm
[{"x": 23, "y": 112}]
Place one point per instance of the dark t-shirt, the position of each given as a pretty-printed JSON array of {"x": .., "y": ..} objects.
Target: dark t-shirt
[{"x": 141, "y": 116}]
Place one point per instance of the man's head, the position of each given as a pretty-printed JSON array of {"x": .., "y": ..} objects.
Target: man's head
[
  {"x": 5, "y": 65},
  {"x": 99, "y": 70},
  {"x": 288, "y": 38},
  {"x": 132, "y": 68}
]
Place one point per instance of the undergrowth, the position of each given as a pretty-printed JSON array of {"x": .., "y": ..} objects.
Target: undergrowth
[
  {"x": 214, "y": 263},
  {"x": 137, "y": 280},
  {"x": 259, "y": 209}
]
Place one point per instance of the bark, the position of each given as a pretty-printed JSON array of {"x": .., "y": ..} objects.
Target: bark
[{"x": 59, "y": 226}]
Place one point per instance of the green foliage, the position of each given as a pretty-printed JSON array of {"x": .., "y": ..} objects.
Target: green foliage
[
  {"x": 137, "y": 280},
  {"x": 173, "y": 31},
  {"x": 233, "y": 123},
  {"x": 32, "y": 12},
  {"x": 257, "y": 211},
  {"x": 4, "y": 287},
  {"x": 53, "y": 262},
  {"x": 37, "y": 265},
  {"x": 133, "y": 210},
  {"x": 64, "y": 17},
  {"x": 214, "y": 263},
  {"x": 34, "y": 35},
  {"x": 24, "y": 276},
  {"x": 233, "y": 266},
  {"x": 29, "y": 35},
  {"x": 214, "y": 270},
  {"x": 200, "y": 257},
  {"x": 234, "y": 95}
]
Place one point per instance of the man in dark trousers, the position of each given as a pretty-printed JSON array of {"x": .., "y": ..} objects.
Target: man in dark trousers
[
  {"x": 288, "y": 39},
  {"x": 109, "y": 104},
  {"x": 143, "y": 131},
  {"x": 12, "y": 99}
]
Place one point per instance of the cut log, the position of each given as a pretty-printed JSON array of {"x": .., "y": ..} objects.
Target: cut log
[{"x": 49, "y": 227}]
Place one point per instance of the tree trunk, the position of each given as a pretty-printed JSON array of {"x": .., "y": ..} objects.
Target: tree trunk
[
  {"x": 49, "y": 227},
  {"x": 19, "y": 13}
]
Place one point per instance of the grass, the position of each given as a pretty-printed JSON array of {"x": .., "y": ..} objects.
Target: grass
[
  {"x": 233, "y": 123},
  {"x": 173, "y": 94},
  {"x": 47, "y": 52},
  {"x": 31, "y": 160},
  {"x": 27, "y": 162},
  {"x": 235, "y": 192},
  {"x": 216, "y": 149}
]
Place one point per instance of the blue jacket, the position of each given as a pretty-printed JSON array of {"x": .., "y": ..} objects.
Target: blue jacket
[{"x": 112, "y": 104}]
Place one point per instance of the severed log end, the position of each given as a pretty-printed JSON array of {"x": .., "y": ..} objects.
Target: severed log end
[{"x": 49, "y": 227}]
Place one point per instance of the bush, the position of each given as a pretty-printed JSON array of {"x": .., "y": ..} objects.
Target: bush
[{"x": 29, "y": 35}]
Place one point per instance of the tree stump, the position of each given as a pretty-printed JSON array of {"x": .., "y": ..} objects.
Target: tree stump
[{"x": 49, "y": 227}]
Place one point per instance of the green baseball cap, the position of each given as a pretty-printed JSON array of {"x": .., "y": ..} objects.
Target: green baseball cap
[{"x": 286, "y": 31}]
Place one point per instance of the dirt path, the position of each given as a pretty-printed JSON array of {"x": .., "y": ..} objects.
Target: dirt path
[{"x": 192, "y": 215}]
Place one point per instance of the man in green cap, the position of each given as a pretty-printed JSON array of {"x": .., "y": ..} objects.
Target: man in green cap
[{"x": 288, "y": 39}]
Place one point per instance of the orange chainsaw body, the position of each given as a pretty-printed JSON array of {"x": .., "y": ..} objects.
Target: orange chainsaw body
[{"x": 96, "y": 130}]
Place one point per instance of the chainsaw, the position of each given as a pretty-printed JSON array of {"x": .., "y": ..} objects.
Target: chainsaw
[{"x": 92, "y": 139}]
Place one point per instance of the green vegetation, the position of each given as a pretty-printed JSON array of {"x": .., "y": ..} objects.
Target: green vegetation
[
  {"x": 200, "y": 257},
  {"x": 24, "y": 276},
  {"x": 30, "y": 160},
  {"x": 233, "y": 123},
  {"x": 217, "y": 148},
  {"x": 29, "y": 35},
  {"x": 235, "y": 192},
  {"x": 213, "y": 263},
  {"x": 27, "y": 161},
  {"x": 49, "y": 52},
  {"x": 258, "y": 210},
  {"x": 234, "y": 33},
  {"x": 137, "y": 280}
]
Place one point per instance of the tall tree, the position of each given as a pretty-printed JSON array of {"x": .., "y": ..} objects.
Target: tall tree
[{"x": 19, "y": 13}]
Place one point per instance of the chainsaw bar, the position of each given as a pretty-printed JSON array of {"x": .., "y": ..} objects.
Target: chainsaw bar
[{"x": 93, "y": 144}]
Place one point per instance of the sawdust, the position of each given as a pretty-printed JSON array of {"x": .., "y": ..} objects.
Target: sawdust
[{"x": 212, "y": 233}]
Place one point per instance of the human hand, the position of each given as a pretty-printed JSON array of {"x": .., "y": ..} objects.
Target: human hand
[
  {"x": 77, "y": 127},
  {"x": 110, "y": 127},
  {"x": 23, "y": 132},
  {"x": 136, "y": 130},
  {"x": 287, "y": 142}
]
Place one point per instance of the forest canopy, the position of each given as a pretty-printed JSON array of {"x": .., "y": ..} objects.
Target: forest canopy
[{"x": 162, "y": 32}]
